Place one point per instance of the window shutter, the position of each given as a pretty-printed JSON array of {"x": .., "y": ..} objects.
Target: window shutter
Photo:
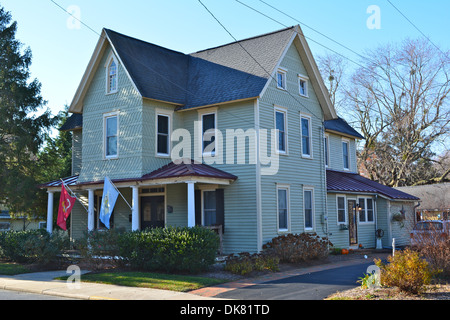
[
  {"x": 220, "y": 208},
  {"x": 198, "y": 207}
]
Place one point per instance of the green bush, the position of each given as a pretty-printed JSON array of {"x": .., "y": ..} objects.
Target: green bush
[
  {"x": 407, "y": 271},
  {"x": 172, "y": 249},
  {"x": 294, "y": 248},
  {"x": 33, "y": 246},
  {"x": 244, "y": 263}
]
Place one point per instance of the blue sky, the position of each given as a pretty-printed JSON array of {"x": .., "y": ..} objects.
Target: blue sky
[{"x": 61, "y": 53}]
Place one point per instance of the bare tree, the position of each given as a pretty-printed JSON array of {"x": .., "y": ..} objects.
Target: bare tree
[{"x": 399, "y": 100}]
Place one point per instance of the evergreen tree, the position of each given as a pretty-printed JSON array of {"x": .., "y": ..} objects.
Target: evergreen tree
[{"x": 24, "y": 120}]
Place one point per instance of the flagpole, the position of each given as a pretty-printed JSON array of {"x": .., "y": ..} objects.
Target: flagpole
[
  {"x": 119, "y": 193},
  {"x": 73, "y": 194}
]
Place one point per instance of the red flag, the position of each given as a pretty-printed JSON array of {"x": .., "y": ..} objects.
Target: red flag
[{"x": 66, "y": 203}]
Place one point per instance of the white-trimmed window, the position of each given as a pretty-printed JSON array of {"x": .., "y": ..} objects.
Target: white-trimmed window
[
  {"x": 303, "y": 85},
  {"x": 112, "y": 74},
  {"x": 308, "y": 207},
  {"x": 306, "y": 136},
  {"x": 281, "y": 126},
  {"x": 281, "y": 78},
  {"x": 366, "y": 210},
  {"x": 341, "y": 210},
  {"x": 209, "y": 207},
  {"x": 208, "y": 133},
  {"x": 111, "y": 135},
  {"x": 346, "y": 154},
  {"x": 283, "y": 208},
  {"x": 163, "y": 125},
  {"x": 326, "y": 150}
]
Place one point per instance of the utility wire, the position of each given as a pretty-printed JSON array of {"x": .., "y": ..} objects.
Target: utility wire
[{"x": 423, "y": 34}]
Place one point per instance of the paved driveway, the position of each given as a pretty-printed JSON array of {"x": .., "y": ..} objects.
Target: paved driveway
[{"x": 312, "y": 286}]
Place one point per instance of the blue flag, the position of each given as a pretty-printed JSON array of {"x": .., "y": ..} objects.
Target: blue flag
[{"x": 109, "y": 198}]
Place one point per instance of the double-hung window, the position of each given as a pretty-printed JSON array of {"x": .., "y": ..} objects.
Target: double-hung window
[
  {"x": 341, "y": 212},
  {"x": 308, "y": 208},
  {"x": 326, "y": 151},
  {"x": 281, "y": 79},
  {"x": 163, "y": 135},
  {"x": 303, "y": 86},
  {"x": 345, "y": 155},
  {"x": 281, "y": 126},
  {"x": 208, "y": 133},
  {"x": 306, "y": 136},
  {"x": 111, "y": 75},
  {"x": 366, "y": 210},
  {"x": 283, "y": 208},
  {"x": 209, "y": 208},
  {"x": 111, "y": 134}
]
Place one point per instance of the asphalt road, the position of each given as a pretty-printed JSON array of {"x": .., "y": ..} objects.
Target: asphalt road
[{"x": 313, "y": 286}]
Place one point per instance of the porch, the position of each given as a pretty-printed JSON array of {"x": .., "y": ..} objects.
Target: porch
[{"x": 185, "y": 194}]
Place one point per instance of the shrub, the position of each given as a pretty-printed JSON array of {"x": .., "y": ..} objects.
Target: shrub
[
  {"x": 244, "y": 263},
  {"x": 33, "y": 246},
  {"x": 438, "y": 255},
  {"x": 407, "y": 271},
  {"x": 172, "y": 249},
  {"x": 100, "y": 248},
  {"x": 294, "y": 248}
]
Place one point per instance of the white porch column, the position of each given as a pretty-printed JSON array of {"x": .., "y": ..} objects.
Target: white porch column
[
  {"x": 191, "y": 203},
  {"x": 135, "y": 209},
  {"x": 50, "y": 211},
  {"x": 90, "y": 209}
]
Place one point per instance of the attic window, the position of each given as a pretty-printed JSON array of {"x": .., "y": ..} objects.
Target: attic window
[
  {"x": 281, "y": 79},
  {"x": 111, "y": 79}
]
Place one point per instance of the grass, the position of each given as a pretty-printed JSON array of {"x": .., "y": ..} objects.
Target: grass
[
  {"x": 174, "y": 282},
  {"x": 11, "y": 269}
]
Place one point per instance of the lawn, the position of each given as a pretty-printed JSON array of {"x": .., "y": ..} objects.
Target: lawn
[
  {"x": 152, "y": 280},
  {"x": 11, "y": 269}
]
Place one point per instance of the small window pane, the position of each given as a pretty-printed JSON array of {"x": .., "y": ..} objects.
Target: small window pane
[
  {"x": 341, "y": 209},
  {"x": 209, "y": 208},
  {"x": 308, "y": 209},
  {"x": 303, "y": 87},
  {"x": 362, "y": 212},
  {"x": 208, "y": 127},
  {"x": 282, "y": 209},
  {"x": 280, "y": 126},
  {"x": 345, "y": 154},
  {"x": 306, "y": 148}
]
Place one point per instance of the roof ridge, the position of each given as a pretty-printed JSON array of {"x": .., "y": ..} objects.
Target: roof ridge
[
  {"x": 145, "y": 42},
  {"x": 245, "y": 39}
]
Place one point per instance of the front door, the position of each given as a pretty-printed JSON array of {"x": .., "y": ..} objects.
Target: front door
[
  {"x": 352, "y": 231},
  {"x": 152, "y": 212}
]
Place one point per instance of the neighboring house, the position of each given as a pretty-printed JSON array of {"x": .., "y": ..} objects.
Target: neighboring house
[
  {"x": 8, "y": 223},
  {"x": 434, "y": 200},
  {"x": 137, "y": 102}
]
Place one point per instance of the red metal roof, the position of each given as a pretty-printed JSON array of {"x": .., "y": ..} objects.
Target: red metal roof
[
  {"x": 191, "y": 168},
  {"x": 170, "y": 170},
  {"x": 353, "y": 182}
]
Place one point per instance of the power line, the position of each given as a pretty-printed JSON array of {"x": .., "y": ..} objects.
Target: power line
[
  {"x": 56, "y": 4},
  {"x": 404, "y": 16},
  {"x": 268, "y": 73}
]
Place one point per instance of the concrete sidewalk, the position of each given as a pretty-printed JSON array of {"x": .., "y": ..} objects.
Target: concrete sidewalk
[{"x": 43, "y": 283}]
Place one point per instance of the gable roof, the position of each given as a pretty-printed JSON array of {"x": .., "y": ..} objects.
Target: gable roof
[
  {"x": 213, "y": 76},
  {"x": 339, "y": 181},
  {"x": 341, "y": 126}
]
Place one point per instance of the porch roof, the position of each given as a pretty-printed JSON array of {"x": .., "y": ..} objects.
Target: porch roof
[
  {"x": 189, "y": 170},
  {"x": 338, "y": 181}
]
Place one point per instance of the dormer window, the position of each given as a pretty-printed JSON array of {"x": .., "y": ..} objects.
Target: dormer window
[{"x": 111, "y": 75}]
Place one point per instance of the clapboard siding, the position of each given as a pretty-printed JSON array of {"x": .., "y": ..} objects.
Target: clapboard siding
[
  {"x": 129, "y": 105},
  {"x": 294, "y": 171}
]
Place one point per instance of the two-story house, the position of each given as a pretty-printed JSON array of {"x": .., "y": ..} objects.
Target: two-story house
[{"x": 241, "y": 136}]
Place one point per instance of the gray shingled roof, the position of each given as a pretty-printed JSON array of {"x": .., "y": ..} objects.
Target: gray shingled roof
[
  {"x": 75, "y": 121},
  {"x": 211, "y": 76}
]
